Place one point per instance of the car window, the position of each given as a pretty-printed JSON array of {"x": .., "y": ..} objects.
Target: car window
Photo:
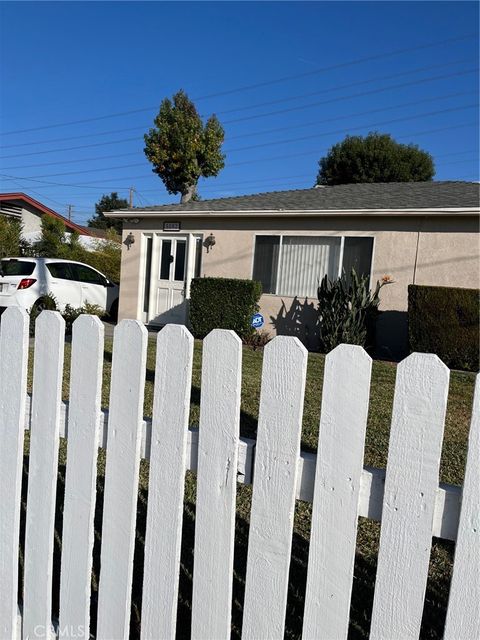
[
  {"x": 17, "y": 268},
  {"x": 61, "y": 270},
  {"x": 87, "y": 275}
]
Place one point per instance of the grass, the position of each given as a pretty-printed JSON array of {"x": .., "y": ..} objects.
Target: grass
[{"x": 376, "y": 449}]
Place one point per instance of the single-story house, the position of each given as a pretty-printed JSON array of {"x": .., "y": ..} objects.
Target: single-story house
[
  {"x": 422, "y": 233},
  {"x": 30, "y": 212}
]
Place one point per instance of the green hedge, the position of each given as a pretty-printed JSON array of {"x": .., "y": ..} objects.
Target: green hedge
[
  {"x": 223, "y": 303},
  {"x": 445, "y": 321}
]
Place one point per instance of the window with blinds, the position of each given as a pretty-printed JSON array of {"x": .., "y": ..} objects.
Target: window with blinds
[{"x": 295, "y": 265}]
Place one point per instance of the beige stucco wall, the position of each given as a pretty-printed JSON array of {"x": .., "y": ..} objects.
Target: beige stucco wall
[{"x": 447, "y": 254}]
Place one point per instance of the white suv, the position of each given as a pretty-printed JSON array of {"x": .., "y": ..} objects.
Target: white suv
[{"x": 24, "y": 281}]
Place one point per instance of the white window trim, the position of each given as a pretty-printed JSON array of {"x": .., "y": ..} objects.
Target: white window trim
[{"x": 313, "y": 235}]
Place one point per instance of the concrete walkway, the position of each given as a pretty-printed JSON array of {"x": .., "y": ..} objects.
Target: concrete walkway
[{"x": 110, "y": 326}]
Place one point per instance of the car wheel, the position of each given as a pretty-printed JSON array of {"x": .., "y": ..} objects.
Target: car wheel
[{"x": 113, "y": 315}]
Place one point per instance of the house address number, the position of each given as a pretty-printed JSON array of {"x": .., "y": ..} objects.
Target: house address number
[{"x": 171, "y": 226}]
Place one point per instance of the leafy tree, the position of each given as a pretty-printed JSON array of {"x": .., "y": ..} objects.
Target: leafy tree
[
  {"x": 106, "y": 256},
  {"x": 181, "y": 148},
  {"x": 52, "y": 242},
  {"x": 374, "y": 158},
  {"x": 108, "y": 203},
  {"x": 10, "y": 236}
]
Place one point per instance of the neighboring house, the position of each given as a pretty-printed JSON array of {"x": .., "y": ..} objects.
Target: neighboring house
[
  {"x": 422, "y": 233},
  {"x": 30, "y": 212}
]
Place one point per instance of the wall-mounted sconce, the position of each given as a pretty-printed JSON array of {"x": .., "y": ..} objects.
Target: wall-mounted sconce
[
  {"x": 209, "y": 242},
  {"x": 129, "y": 240}
]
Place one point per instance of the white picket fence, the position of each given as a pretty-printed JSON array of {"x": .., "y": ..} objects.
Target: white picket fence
[{"x": 407, "y": 498}]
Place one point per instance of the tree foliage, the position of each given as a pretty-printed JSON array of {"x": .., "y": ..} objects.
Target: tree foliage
[
  {"x": 52, "y": 242},
  {"x": 55, "y": 243},
  {"x": 181, "y": 148},
  {"x": 374, "y": 158},
  {"x": 10, "y": 236},
  {"x": 108, "y": 203}
]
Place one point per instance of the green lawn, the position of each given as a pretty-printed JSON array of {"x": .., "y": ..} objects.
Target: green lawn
[{"x": 381, "y": 399}]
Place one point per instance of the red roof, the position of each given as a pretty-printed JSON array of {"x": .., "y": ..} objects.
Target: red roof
[{"x": 44, "y": 209}]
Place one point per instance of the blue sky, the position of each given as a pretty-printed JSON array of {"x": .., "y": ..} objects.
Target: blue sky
[{"x": 286, "y": 79}]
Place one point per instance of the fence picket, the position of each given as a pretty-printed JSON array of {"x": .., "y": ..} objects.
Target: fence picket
[
  {"x": 168, "y": 453},
  {"x": 407, "y": 498},
  {"x": 80, "y": 481},
  {"x": 274, "y": 485},
  {"x": 343, "y": 420},
  {"x": 42, "y": 474},
  {"x": 463, "y": 614},
  {"x": 410, "y": 487},
  {"x": 216, "y": 485},
  {"x": 13, "y": 387},
  {"x": 121, "y": 479}
]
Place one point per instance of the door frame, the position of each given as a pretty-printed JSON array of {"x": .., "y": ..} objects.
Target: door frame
[{"x": 191, "y": 239}]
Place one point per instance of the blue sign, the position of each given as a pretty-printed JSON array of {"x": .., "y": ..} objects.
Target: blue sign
[{"x": 257, "y": 321}]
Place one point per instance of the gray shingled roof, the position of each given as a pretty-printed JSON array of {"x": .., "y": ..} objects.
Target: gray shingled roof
[{"x": 393, "y": 195}]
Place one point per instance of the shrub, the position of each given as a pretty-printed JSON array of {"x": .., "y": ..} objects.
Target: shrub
[
  {"x": 223, "y": 303},
  {"x": 445, "y": 321},
  {"x": 69, "y": 314},
  {"x": 47, "y": 302},
  {"x": 257, "y": 340},
  {"x": 55, "y": 243},
  {"x": 348, "y": 310},
  {"x": 106, "y": 258}
]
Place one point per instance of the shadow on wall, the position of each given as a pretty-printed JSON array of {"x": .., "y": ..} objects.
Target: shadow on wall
[
  {"x": 301, "y": 321},
  {"x": 391, "y": 341}
]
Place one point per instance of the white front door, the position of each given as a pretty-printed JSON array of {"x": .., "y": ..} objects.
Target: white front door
[{"x": 167, "y": 287}]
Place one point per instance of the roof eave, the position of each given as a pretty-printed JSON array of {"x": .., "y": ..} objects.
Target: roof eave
[{"x": 155, "y": 213}]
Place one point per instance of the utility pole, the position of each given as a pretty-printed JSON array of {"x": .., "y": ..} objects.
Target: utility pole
[
  {"x": 131, "y": 197},
  {"x": 70, "y": 209}
]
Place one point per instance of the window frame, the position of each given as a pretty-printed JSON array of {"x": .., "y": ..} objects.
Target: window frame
[{"x": 297, "y": 234}]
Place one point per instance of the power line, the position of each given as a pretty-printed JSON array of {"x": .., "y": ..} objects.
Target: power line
[
  {"x": 261, "y": 115},
  {"x": 390, "y": 76},
  {"x": 363, "y": 126},
  {"x": 316, "y": 151},
  {"x": 261, "y": 132},
  {"x": 62, "y": 162},
  {"x": 93, "y": 184},
  {"x": 340, "y": 65},
  {"x": 351, "y": 115},
  {"x": 456, "y": 162},
  {"x": 254, "y": 106},
  {"x": 275, "y": 142},
  {"x": 283, "y": 179},
  {"x": 84, "y": 135},
  {"x": 349, "y": 97},
  {"x": 41, "y": 195},
  {"x": 84, "y": 146},
  {"x": 290, "y": 176}
]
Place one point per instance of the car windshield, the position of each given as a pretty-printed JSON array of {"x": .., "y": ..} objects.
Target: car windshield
[{"x": 16, "y": 268}]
